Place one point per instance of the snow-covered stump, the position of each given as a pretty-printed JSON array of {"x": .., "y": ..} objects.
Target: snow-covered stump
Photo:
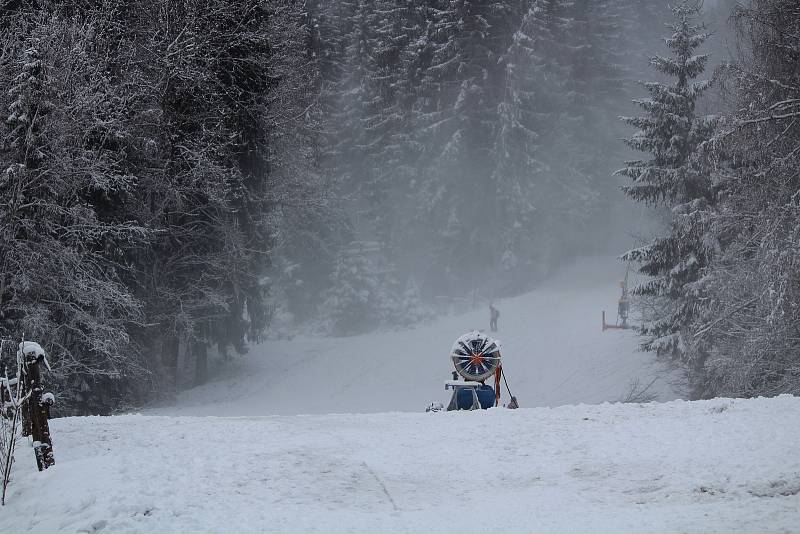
[
  {"x": 36, "y": 412},
  {"x": 39, "y": 409}
]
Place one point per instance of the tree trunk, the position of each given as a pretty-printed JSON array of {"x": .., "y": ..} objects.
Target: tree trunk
[
  {"x": 169, "y": 356},
  {"x": 158, "y": 343},
  {"x": 697, "y": 375},
  {"x": 200, "y": 363}
]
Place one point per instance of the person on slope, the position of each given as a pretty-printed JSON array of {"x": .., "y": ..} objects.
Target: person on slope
[{"x": 494, "y": 315}]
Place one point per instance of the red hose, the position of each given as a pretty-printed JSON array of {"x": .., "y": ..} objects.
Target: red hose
[{"x": 497, "y": 374}]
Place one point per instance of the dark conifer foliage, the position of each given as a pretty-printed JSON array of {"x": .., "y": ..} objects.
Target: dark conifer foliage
[
  {"x": 209, "y": 82},
  {"x": 530, "y": 198},
  {"x": 63, "y": 157},
  {"x": 137, "y": 162}
]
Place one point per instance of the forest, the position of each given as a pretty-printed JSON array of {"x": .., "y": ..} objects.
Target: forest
[{"x": 180, "y": 180}]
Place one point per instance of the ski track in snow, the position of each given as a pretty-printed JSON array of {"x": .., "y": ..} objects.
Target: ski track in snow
[
  {"x": 711, "y": 466},
  {"x": 554, "y": 353}
]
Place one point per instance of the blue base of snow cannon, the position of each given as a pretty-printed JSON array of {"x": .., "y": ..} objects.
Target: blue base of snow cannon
[{"x": 485, "y": 397}]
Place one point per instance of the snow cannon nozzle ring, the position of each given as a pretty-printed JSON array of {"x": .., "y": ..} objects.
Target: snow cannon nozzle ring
[{"x": 476, "y": 356}]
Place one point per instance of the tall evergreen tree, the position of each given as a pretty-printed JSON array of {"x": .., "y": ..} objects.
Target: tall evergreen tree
[
  {"x": 457, "y": 123},
  {"x": 528, "y": 194},
  {"x": 383, "y": 143},
  {"x": 671, "y": 132},
  {"x": 594, "y": 100}
]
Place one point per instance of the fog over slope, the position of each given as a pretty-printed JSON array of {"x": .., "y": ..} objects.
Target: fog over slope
[{"x": 554, "y": 353}]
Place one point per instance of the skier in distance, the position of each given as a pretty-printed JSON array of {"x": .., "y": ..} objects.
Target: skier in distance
[{"x": 494, "y": 315}]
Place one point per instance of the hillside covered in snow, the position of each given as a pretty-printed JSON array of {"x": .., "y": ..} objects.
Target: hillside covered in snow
[
  {"x": 238, "y": 455},
  {"x": 710, "y": 466},
  {"x": 554, "y": 353}
]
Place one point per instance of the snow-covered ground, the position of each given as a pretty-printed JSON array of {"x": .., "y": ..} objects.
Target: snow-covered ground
[
  {"x": 259, "y": 466},
  {"x": 714, "y": 466},
  {"x": 554, "y": 353}
]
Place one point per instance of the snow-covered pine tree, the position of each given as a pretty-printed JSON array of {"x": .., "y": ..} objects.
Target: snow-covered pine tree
[
  {"x": 565, "y": 85},
  {"x": 356, "y": 301},
  {"x": 671, "y": 132},
  {"x": 411, "y": 49},
  {"x": 360, "y": 79},
  {"x": 383, "y": 146},
  {"x": 305, "y": 218},
  {"x": 63, "y": 158},
  {"x": 343, "y": 49},
  {"x": 527, "y": 193},
  {"x": 754, "y": 287},
  {"x": 205, "y": 85},
  {"x": 363, "y": 153},
  {"x": 412, "y": 94},
  {"x": 456, "y": 124},
  {"x": 412, "y": 308},
  {"x": 594, "y": 98}
]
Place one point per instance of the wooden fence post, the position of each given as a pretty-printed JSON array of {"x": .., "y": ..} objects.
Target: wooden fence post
[{"x": 38, "y": 411}]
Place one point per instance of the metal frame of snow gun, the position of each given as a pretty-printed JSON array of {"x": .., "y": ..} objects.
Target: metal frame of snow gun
[
  {"x": 623, "y": 307},
  {"x": 606, "y": 326},
  {"x": 458, "y": 385}
]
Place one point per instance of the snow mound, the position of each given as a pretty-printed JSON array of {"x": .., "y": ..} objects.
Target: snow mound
[{"x": 712, "y": 466}]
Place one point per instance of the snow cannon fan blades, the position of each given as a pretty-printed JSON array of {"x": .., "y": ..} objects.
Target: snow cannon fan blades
[{"x": 476, "y": 356}]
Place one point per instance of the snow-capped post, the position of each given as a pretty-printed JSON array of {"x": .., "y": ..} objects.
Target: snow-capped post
[{"x": 37, "y": 408}]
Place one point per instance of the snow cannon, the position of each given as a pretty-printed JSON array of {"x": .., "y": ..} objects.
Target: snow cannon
[{"x": 475, "y": 357}]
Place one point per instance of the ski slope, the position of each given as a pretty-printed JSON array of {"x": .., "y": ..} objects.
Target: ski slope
[
  {"x": 712, "y": 466},
  {"x": 554, "y": 353},
  {"x": 235, "y": 456}
]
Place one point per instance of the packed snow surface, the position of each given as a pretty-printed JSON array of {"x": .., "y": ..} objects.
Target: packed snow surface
[
  {"x": 554, "y": 352},
  {"x": 711, "y": 466}
]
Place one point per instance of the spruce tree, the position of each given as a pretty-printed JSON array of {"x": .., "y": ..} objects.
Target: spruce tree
[
  {"x": 671, "y": 132},
  {"x": 359, "y": 298},
  {"x": 383, "y": 144},
  {"x": 204, "y": 83},
  {"x": 457, "y": 121},
  {"x": 527, "y": 195}
]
